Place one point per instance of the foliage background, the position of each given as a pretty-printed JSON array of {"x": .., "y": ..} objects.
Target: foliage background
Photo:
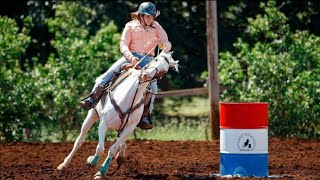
[{"x": 51, "y": 52}]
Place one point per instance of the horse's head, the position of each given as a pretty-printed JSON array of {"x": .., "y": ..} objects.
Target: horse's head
[{"x": 159, "y": 66}]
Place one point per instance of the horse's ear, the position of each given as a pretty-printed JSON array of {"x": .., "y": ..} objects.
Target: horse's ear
[
  {"x": 164, "y": 52},
  {"x": 176, "y": 65},
  {"x": 170, "y": 53}
]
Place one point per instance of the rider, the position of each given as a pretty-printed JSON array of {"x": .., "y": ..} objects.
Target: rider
[{"x": 139, "y": 37}]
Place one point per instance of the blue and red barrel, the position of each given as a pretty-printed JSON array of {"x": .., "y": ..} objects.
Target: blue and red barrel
[{"x": 244, "y": 139}]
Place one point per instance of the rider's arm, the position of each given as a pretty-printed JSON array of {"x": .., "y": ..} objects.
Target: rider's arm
[
  {"x": 125, "y": 41},
  {"x": 162, "y": 35}
]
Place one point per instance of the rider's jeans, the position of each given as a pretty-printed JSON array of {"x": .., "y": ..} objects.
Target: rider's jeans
[{"x": 115, "y": 68}]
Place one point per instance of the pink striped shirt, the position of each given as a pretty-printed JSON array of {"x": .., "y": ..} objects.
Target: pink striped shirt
[{"x": 136, "y": 38}]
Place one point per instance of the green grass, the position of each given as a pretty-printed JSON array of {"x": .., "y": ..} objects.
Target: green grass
[
  {"x": 173, "y": 132},
  {"x": 185, "y": 121},
  {"x": 181, "y": 119},
  {"x": 196, "y": 106}
]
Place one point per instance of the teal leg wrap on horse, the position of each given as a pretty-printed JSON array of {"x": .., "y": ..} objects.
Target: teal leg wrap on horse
[
  {"x": 105, "y": 166},
  {"x": 94, "y": 161}
]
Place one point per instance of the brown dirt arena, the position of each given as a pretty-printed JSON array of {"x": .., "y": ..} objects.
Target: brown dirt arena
[{"x": 292, "y": 158}]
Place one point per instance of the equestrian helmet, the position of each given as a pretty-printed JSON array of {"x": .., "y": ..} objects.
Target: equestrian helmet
[{"x": 147, "y": 8}]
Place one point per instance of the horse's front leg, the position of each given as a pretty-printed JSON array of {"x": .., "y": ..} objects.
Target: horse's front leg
[
  {"x": 93, "y": 160},
  {"x": 91, "y": 118},
  {"x": 113, "y": 150}
]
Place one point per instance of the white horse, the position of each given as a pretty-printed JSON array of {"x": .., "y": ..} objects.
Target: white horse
[{"x": 120, "y": 109}]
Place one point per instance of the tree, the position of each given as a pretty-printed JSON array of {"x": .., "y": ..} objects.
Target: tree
[
  {"x": 17, "y": 101},
  {"x": 280, "y": 67},
  {"x": 47, "y": 95}
]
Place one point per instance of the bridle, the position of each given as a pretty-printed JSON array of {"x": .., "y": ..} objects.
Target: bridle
[{"x": 158, "y": 74}]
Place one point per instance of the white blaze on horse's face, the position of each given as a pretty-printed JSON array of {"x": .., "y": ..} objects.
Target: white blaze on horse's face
[
  {"x": 146, "y": 75},
  {"x": 159, "y": 66},
  {"x": 172, "y": 63}
]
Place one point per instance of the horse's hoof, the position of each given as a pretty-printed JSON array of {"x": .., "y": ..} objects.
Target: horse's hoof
[
  {"x": 61, "y": 167},
  {"x": 98, "y": 175},
  {"x": 120, "y": 161},
  {"x": 93, "y": 160}
]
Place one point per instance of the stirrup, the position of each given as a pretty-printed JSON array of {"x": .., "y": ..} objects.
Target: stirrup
[
  {"x": 145, "y": 123},
  {"x": 86, "y": 104},
  {"x": 95, "y": 97}
]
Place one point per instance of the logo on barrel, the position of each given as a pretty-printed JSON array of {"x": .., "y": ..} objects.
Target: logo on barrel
[{"x": 246, "y": 142}]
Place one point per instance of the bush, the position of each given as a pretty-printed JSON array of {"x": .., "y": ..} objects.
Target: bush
[
  {"x": 18, "y": 100},
  {"x": 279, "y": 67},
  {"x": 45, "y": 98}
]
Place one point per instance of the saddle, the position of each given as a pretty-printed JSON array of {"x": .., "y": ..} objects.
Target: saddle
[
  {"x": 115, "y": 80},
  {"x": 119, "y": 77}
]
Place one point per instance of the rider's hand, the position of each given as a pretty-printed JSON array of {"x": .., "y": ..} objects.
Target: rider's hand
[
  {"x": 159, "y": 42},
  {"x": 134, "y": 60},
  {"x": 162, "y": 45}
]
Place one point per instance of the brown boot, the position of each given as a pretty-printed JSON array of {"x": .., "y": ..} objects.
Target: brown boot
[
  {"x": 93, "y": 99},
  {"x": 86, "y": 104},
  {"x": 145, "y": 121}
]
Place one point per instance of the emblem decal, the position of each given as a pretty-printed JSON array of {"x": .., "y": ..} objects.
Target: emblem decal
[{"x": 246, "y": 142}]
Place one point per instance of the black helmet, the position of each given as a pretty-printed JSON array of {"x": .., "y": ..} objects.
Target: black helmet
[{"x": 147, "y": 8}]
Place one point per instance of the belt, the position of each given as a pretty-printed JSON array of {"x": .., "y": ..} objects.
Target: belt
[{"x": 143, "y": 54}]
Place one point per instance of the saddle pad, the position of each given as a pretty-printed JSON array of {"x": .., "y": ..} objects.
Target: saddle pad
[{"x": 119, "y": 78}]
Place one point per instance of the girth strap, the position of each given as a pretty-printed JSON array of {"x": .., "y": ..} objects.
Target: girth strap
[{"x": 122, "y": 115}]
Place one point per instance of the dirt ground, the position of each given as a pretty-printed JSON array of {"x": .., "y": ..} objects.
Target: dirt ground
[{"x": 291, "y": 158}]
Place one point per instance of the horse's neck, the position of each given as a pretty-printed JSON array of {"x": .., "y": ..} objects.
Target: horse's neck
[{"x": 128, "y": 90}]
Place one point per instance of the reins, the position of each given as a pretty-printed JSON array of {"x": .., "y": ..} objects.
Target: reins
[{"x": 145, "y": 56}]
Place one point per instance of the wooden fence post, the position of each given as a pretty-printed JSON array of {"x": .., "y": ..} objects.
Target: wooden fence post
[{"x": 212, "y": 56}]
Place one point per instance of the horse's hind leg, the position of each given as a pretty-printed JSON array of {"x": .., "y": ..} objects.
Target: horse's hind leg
[
  {"x": 88, "y": 122},
  {"x": 103, "y": 170},
  {"x": 120, "y": 157}
]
